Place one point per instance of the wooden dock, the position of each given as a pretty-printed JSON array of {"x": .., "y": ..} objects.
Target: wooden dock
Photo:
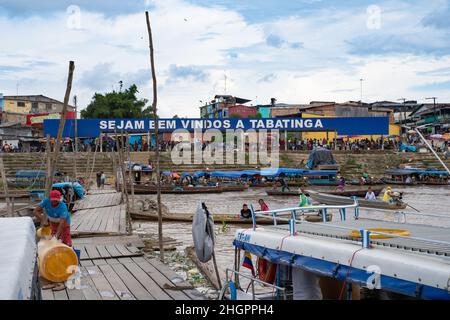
[
  {"x": 95, "y": 201},
  {"x": 112, "y": 265},
  {"x": 110, "y": 220},
  {"x": 126, "y": 278}
]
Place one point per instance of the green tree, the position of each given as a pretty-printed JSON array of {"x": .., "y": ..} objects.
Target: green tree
[{"x": 122, "y": 104}]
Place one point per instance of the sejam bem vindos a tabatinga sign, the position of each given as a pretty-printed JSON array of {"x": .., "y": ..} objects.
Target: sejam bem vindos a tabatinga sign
[{"x": 343, "y": 126}]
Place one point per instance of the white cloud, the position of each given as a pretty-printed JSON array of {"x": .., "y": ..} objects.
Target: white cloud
[{"x": 211, "y": 42}]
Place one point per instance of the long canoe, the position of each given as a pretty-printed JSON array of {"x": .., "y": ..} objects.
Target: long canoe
[
  {"x": 346, "y": 193},
  {"x": 338, "y": 200},
  {"x": 233, "y": 187},
  {"x": 146, "y": 189},
  {"x": 218, "y": 218}
]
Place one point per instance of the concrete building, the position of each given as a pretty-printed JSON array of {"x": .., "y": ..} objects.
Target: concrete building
[
  {"x": 220, "y": 105},
  {"x": 33, "y": 104},
  {"x": 14, "y": 132}
]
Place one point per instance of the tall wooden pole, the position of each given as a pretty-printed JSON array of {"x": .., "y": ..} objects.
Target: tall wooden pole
[
  {"x": 130, "y": 172},
  {"x": 154, "y": 109},
  {"x": 5, "y": 188},
  {"x": 75, "y": 149},
  {"x": 62, "y": 123}
]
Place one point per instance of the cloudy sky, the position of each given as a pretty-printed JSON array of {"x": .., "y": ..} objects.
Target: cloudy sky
[{"x": 294, "y": 50}]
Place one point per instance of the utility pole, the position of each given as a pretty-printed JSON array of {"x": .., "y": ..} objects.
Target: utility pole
[
  {"x": 404, "y": 114},
  {"x": 434, "y": 110},
  {"x": 225, "y": 83},
  {"x": 361, "y": 82}
]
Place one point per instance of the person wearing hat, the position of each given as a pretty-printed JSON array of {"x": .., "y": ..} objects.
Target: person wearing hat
[
  {"x": 387, "y": 197},
  {"x": 56, "y": 215}
]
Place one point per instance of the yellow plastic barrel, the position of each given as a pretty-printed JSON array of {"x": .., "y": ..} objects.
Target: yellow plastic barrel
[
  {"x": 44, "y": 232},
  {"x": 57, "y": 261}
]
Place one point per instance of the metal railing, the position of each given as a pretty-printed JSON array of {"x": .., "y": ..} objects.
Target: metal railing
[
  {"x": 277, "y": 214},
  {"x": 254, "y": 279}
]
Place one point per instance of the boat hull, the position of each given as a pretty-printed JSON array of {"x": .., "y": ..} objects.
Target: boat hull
[
  {"x": 142, "y": 189},
  {"x": 338, "y": 200},
  {"x": 345, "y": 193},
  {"x": 219, "y": 218}
]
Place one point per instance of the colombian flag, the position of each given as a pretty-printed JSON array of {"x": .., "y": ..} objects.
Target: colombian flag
[{"x": 247, "y": 263}]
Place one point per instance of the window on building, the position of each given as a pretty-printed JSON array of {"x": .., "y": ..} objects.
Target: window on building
[
  {"x": 21, "y": 104},
  {"x": 35, "y": 106},
  {"x": 48, "y": 106}
]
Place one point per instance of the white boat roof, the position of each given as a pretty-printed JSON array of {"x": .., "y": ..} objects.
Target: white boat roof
[
  {"x": 403, "y": 262},
  {"x": 17, "y": 257}
]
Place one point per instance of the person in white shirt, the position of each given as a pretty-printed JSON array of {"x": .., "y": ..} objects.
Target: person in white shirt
[{"x": 370, "y": 195}]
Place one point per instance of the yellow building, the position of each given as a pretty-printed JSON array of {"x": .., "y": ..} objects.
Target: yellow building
[
  {"x": 394, "y": 130},
  {"x": 16, "y": 106},
  {"x": 35, "y": 104}
]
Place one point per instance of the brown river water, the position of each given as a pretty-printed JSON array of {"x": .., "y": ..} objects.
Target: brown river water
[{"x": 432, "y": 200}]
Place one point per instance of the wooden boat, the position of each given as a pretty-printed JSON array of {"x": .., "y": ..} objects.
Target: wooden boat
[
  {"x": 218, "y": 218},
  {"x": 417, "y": 176},
  {"x": 150, "y": 189},
  {"x": 355, "y": 192},
  {"x": 227, "y": 187},
  {"x": 339, "y": 200},
  {"x": 261, "y": 185}
]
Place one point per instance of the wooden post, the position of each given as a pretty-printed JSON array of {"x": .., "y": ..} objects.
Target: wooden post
[
  {"x": 122, "y": 168},
  {"x": 9, "y": 205},
  {"x": 154, "y": 109},
  {"x": 62, "y": 123},
  {"x": 48, "y": 155},
  {"x": 89, "y": 179},
  {"x": 130, "y": 172}
]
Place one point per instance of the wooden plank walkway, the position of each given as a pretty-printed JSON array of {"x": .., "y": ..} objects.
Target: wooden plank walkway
[
  {"x": 101, "y": 191},
  {"x": 94, "y": 201},
  {"x": 106, "y": 251},
  {"x": 136, "y": 278},
  {"x": 99, "y": 221}
]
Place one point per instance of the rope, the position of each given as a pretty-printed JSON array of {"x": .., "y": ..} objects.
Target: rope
[
  {"x": 348, "y": 272},
  {"x": 40, "y": 168}
]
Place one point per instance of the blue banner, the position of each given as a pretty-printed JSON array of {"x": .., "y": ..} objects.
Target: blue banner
[{"x": 343, "y": 126}]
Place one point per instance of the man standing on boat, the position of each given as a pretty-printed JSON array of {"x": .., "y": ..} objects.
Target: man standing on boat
[{"x": 57, "y": 214}]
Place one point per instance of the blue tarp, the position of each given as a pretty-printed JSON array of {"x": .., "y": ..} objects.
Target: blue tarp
[
  {"x": 405, "y": 147},
  {"x": 288, "y": 172},
  {"x": 78, "y": 188},
  {"x": 30, "y": 173},
  {"x": 409, "y": 171},
  {"x": 341, "y": 272}
]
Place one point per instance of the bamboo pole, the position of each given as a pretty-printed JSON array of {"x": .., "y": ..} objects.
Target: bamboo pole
[
  {"x": 154, "y": 109},
  {"x": 48, "y": 156},
  {"x": 124, "y": 177},
  {"x": 9, "y": 207},
  {"x": 62, "y": 123},
  {"x": 130, "y": 172}
]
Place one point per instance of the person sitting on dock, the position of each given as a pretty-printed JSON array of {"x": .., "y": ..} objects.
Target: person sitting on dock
[
  {"x": 246, "y": 213},
  {"x": 56, "y": 212},
  {"x": 387, "y": 197},
  {"x": 370, "y": 195}
]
